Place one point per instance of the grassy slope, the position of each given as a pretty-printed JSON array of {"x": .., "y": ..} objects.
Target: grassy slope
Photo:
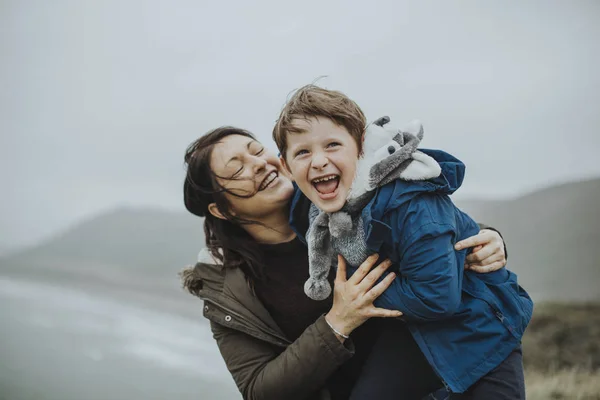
[
  {"x": 552, "y": 235},
  {"x": 562, "y": 352}
]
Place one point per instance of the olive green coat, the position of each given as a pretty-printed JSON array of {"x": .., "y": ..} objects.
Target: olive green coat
[{"x": 264, "y": 364}]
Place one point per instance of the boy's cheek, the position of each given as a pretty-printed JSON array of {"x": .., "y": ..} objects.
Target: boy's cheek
[
  {"x": 305, "y": 187},
  {"x": 295, "y": 169}
]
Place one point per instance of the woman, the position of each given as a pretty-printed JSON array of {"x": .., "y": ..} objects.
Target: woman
[{"x": 277, "y": 342}]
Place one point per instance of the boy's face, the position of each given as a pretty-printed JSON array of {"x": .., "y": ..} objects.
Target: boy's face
[{"x": 322, "y": 160}]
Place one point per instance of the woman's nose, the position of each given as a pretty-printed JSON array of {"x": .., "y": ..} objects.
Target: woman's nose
[{"x": 259, "y": 164}]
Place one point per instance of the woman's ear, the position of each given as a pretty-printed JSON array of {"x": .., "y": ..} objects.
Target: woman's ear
[
  {"x": 214, "y": 210},
  {"x": 286, "y": 169}
]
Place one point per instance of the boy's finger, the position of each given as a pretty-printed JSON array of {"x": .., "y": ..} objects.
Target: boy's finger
[
  {"x": 341, "y": 269},
  {"x": 363, "y": 270}
]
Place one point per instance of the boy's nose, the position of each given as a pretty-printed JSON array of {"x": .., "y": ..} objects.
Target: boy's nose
[{"x": 319, "y": 161}]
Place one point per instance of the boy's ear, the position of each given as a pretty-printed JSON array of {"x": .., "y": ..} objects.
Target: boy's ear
[
  {"x": 286, "y": 168},
  {"x": 214, "y": 210},
  {"x": 362, "y": 144}
]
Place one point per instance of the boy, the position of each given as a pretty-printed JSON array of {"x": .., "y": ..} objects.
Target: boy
[{"x": 467, "y": 326}]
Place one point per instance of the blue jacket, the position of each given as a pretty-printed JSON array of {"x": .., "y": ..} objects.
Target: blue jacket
[{"x": 465, "y": 323}]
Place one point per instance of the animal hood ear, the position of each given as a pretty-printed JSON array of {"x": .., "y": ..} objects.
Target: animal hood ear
[
  {"x": 420, "y": 168},
  {"x": 381, "y": 121},
  {"x": 415, "y": 127}
]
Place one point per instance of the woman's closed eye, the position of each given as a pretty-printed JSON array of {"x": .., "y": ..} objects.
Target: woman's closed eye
[
  {"x": 237, "y": 173},
  {"x": 260, "y": 152}
]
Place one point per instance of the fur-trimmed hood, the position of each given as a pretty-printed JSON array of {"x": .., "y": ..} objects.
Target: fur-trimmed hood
[{"x": 207, "y": 269}]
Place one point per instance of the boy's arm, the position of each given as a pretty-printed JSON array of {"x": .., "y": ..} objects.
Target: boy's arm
[{"x": 428, "y": 286}]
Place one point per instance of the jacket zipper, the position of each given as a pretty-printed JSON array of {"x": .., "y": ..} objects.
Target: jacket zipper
[
  {"x": 433, "y": 366},
  {"x": 284, "y": 341}
]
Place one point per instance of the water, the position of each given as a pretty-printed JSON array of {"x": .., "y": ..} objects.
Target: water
[{"x": 63, "y": 343}]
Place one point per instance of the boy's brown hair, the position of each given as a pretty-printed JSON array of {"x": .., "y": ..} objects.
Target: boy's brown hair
[{"x": 313, "y": 101}]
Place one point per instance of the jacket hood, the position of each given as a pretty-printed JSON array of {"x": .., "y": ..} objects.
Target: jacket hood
[
  {"x": 398, "y": 192},
  {"x": 207, "y": 269}
]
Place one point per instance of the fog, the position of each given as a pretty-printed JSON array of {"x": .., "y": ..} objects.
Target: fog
[{"x": 100, "y": 99}]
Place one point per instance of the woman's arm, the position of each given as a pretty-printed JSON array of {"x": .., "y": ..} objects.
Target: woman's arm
[{"x": 262, "y": 372}]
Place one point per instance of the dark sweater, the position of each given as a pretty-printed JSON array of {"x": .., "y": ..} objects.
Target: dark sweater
[
  {"x": 282, "y": 294},
  {"x": 286, "y": 266}
]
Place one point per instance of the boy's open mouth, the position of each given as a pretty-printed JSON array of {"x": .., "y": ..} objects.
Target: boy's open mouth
[{"x": 326, "y": 186}]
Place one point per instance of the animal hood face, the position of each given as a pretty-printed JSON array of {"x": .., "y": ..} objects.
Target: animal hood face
[{"x": 389, "y": 154}]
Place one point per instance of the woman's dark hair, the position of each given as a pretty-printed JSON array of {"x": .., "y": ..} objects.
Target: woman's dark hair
[{"x": 226, "y": 240}]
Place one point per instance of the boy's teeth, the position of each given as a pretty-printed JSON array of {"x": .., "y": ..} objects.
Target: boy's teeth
[
  {"x": 325, "y": 179},
  {"x": 326, "y": 186}
]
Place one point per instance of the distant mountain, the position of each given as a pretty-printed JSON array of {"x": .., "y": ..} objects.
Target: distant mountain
[
  {"x": 126, "y": 243},
  {"x": 552, "y": 237}
]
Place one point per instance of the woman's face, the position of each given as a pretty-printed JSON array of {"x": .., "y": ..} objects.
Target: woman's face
[{"x": 246, "y": 168}]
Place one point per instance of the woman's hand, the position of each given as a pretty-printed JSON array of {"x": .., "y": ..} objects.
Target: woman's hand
[
  {"x": 488, "y": 251},
  {"x": 353, "y": 298}
]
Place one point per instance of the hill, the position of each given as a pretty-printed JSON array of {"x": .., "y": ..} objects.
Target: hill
[
  {"x": 140, "y": 244},
  {"x": 551, "y": 236}
]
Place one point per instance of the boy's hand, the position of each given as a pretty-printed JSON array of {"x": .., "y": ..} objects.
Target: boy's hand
[{"x": 488, "y": 251}]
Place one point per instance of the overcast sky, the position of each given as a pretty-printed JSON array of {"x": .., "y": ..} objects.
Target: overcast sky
[{"x": 98, "y": 100}]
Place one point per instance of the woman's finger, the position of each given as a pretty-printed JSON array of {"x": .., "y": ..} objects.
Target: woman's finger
[
  {"x": 363, "y": 270},
  {"x": 496, "y": 265},
  {"x": 384, "y": 313},
  {"x": 483, "y": 253},
  {"x": 340, "y": 276},
  {"x": 491, "y": 259},
  {"x": 479, "y": 239},
  {"x": 376, "y": 290},
  {"x": 373, "y": 276}
]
